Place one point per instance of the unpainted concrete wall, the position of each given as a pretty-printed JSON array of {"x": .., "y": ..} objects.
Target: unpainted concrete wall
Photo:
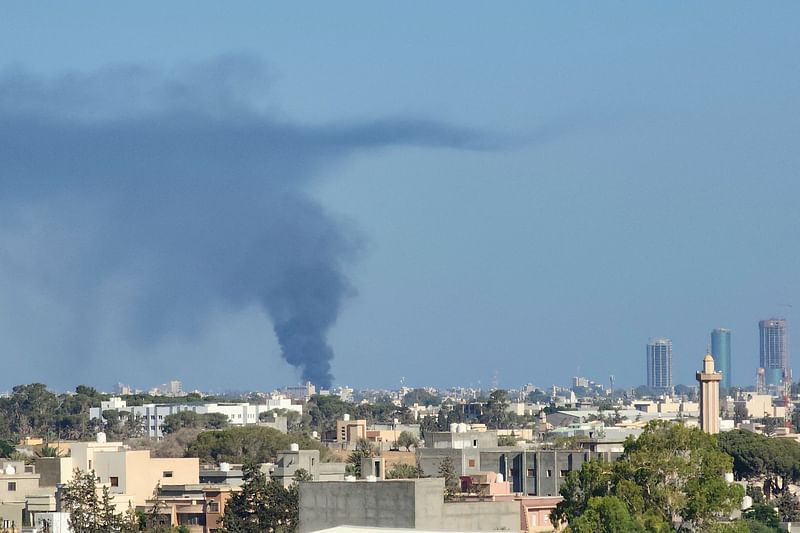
[{"x": 335, "y": 503}]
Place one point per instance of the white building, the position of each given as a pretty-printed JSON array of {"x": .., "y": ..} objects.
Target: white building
[{"x": 152, "y": 415}]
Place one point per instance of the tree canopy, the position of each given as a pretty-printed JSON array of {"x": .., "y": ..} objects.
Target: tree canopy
[
  {"x": 420, "y": 397},
  {"x": 261, "y": 505},
  {"x": 248, "y": 444},
  {"x": 671, "y": 473},
  {"x": 756, "y": 457}
]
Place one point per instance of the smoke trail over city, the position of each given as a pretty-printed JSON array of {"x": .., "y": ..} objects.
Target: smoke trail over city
[{"x": 182, "y": 195}]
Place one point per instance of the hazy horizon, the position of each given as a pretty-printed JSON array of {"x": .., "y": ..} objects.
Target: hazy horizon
[{"x": 441, "y": 192}]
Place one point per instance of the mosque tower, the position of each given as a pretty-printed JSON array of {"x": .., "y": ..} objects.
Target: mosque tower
[{"x": 709, "y": 396}]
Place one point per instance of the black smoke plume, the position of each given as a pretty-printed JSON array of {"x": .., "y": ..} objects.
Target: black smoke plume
[{"x": 183, "y": 193}]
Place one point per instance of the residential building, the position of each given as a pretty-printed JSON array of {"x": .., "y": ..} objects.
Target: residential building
[
  {"x": 532, "y": 472},
  {"x": 21, "y": 495},
  {"x": 721, "y": 352},
  {"x": 153, "y": 415},
  {"x": 709, "y": 396},
  {"x": 131, "y": 475},
  {"x": 401, "y": 503},
  {"x": 659, "y": 365},
  {"x": 760, "y": 406},
  {"x": 196, "y": 507},
  {"x": 349, "y": 431},
  {"x": 773, "y": 349}
]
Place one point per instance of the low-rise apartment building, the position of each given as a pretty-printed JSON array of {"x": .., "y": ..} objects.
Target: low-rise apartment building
[
  {"x": 153, "y": 415},
  {"x": 132, "y": 475}
]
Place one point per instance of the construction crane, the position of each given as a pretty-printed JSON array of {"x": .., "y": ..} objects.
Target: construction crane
[
  {"x": 787, "y": 398},
  {"x": 787, "y": 382}
]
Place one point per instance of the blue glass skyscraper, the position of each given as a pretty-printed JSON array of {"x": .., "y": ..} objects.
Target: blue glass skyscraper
[{"x": 721, "y": 351}]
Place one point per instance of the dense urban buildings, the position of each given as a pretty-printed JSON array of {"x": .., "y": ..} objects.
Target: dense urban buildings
[
  {"x": 773, "y": 350},
  {"x": 659, "y": 365},
  {"x": 721, "y": 352}
]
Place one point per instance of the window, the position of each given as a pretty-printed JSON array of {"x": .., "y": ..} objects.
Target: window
[
  {"x": 191, "y": 519},
  {"x": 12, "y": 486},
  {"x": 90, "y": 464},
  {"x": 549, "y": 473},
  {"x": 472, "y": 463},
  {"x": 114, "y": 480},
  {"x": 531, "y": 472},
  {"x": 475, "y": 443},
  {"x": 563, "y": 473},
  {"x": 167, "y": 473},
  {"x": 213, "y": 506}
]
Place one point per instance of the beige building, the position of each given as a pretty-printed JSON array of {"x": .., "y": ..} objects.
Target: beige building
[
  {"x": 349, "y": 431},
  {"x": 132, "y": 475},
  {"x": 198, "y": 508},
  {"x": 21, "y": 496},
  {"x": 760, "y": 406},
  {"x": 709, "y": 396}
]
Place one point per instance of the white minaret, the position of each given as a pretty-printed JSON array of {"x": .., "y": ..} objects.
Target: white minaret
[{"x": 709, "y": 396}]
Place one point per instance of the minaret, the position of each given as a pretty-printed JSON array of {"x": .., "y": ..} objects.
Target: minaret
[{"x": 709, "y": 396}]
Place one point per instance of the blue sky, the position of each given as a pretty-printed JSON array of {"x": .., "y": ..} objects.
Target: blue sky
[{"x": 631, "y": 173}]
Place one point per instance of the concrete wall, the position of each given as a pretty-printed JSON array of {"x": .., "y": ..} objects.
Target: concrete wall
[
  {"x": 468, "y": 439},
  {"x": 433, "y": 513},
  {"x": 465, "y": 461},
  {"x": 476, "y": 516},
  {"x": 407, "y": 503},
  {"x": 49, "y": 470},
  {"x": 335, "y": 503}
]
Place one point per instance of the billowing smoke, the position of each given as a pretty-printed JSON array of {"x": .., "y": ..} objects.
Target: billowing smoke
[{"x": 184, "y": 195}]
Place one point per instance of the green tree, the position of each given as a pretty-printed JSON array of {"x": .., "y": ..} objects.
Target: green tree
[
  {"x": 325, "y": 410},
  {"x": 495, "y": 415},
  {"x": 670, "y": 473},
  {"x": 7, "y": 448},
  {"x": 31, "y": 410},
  {"x": 407, "y": 440},
  {"x": 506, "y": 440},
  {"x": 255, "y": 444},
  {"x": 451, "y": 482},
  {"x": 756, "y": 457},
  {"x": 48, "y": 451},
  {"x": 364, "y": 448},
  {"x": 190, "y": 419},
  {"x": 262, "y": 505},
  {"x": 788, "y": 507},
  {"x": 605, "y": 514},
  {"x": 420, "y": 397},
  {"x": 402, "y": 471},
  {"x": 90, "y": 512},
  {"x": 764, "y": 513}
]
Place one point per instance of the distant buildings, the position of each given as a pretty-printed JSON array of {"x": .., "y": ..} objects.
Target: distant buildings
[
  {"x": 659, "y": 365},
  {"x": 721, "y": 352},
  {"x": 773, "y": 350},
  {"x": 152, "y": 415}
]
